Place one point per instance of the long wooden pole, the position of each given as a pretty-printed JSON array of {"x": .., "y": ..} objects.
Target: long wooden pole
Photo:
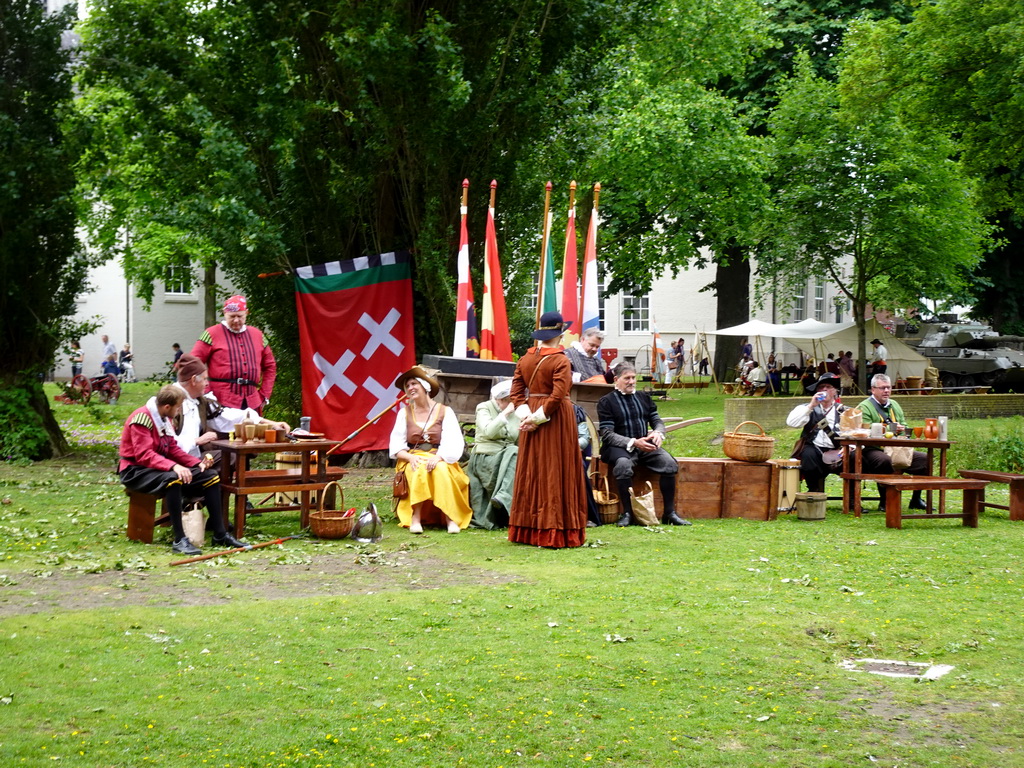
[
  {"x": 373, "y": 418},
  {"x": 236, "y": 549}
]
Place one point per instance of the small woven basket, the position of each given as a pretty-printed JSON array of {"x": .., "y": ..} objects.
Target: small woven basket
[
  {"x": 748, "y": 447},
  {"x": 332, "y": 523},
  {"x": 607, "y": 502}
]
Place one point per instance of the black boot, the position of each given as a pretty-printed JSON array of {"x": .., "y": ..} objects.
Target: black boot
[
  {"x": 626, "y": 518},
  {"x": 671, "y": 518},
  {"x": 667, "y": 485},
  {"x": 916, "y": 502}
]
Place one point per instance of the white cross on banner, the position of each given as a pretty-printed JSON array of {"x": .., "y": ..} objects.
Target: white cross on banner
[{"x": 356, "y": 337}]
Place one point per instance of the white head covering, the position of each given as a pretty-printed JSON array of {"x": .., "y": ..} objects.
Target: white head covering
[{"x": 502, "y": 390}]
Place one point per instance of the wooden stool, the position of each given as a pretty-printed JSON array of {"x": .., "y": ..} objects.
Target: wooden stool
[
  {"x": 1016, "y": 483},
  {"x": 893, "y": 485},
  {"x": 142, "y": 516}
]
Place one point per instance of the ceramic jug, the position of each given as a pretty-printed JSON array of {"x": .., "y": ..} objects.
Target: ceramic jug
[{"x": 931, "y": 429}]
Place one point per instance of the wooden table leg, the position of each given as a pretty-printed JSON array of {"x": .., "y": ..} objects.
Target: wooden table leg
[
  {"x": 304, "y": 511},
  {"x": 971, "y": 508},
  {"x": 858, "y": 468},
  {"x": 893, "y": 510},
  {"x": 240, "y": 501},
  {"x": 1016, "y": 500}
]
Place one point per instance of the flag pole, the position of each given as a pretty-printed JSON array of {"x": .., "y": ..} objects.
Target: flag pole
[{"x": 542, "y": 272}]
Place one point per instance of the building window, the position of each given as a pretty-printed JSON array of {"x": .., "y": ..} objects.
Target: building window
[
  {"x": 819, "y": 300},
  {"x": 799, "y": 309},
  {"x": 636, "y": 314},
  {"x": 842, "y": 306},
  {"x": 530, "y": 299},
  {"x": 600, "y": 297},
  {"x": 178, "y": 281}
]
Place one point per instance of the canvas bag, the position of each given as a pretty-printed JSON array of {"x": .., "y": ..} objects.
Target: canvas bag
[
  {"x": 643, "y": 506},
  {"x": 902, "y": 456},
  {"x": 194, "y": 522}
]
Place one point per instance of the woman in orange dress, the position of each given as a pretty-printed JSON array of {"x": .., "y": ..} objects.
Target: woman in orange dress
[{"x": 549, "y": 500}]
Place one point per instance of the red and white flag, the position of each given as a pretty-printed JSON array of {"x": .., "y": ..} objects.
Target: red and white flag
[
  {"x": 355, "y": 338},
  {"x": 466, "y": 343},
  {"x": 495, "y": 342}
]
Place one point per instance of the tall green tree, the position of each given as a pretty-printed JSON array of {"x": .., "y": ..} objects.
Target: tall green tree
[
  {"x": 812, "y": 28},
  {"x": 265, "y": 136},
  {"x": 42, "y": 267},
  {"x": 957, "y": 66},
  {"x": 860, "y": 184}
]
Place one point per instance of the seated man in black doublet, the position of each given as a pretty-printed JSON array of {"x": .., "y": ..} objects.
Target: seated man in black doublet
[{"x": 632, "y": 433}]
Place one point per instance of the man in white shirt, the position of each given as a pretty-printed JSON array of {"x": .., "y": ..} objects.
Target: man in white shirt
[
  {"x": 878, "y": 363},
  {"x": 819, "y": 455},
  {"x": 202, "y": 417}
]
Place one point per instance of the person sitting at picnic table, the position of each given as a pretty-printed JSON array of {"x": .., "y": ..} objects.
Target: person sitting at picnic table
[
  {"x": 151, "y": 462},
  {"x": 202, "y": 418},
  {"x": 881, "y": 408},
  {"x": 585, "y": 357},
  {"x": 756, "y": 379},
  {"x": 492, "y": 464},
  {"x": 816, "y": 448},
  {"x": 427, "y": 444}
]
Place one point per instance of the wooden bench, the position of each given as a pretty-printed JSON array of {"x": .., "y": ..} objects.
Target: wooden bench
[
  {"x": 142, "y": 516},
  {"x": 1016, "y": 483},
  {"x": 893, "y": 485}
]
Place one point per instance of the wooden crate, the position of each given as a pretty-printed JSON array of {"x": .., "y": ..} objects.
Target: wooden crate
[
  {"x": 709, "y": 489},
  {"x": 699, "y": 488},
  {"x": 749, "y": 490}
]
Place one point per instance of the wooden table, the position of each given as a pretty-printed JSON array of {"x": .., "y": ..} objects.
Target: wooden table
[
  {"x": 237, "y": 480},
  {"x": 853, "y": 472}
]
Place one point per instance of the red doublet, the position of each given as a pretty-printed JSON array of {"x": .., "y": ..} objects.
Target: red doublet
[
  {"x": 241, "y": 365},
  {"x": 143, "y": 446}
]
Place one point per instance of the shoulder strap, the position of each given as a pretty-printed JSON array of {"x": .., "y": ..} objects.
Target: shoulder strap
[{"x": 539, "y": 364}]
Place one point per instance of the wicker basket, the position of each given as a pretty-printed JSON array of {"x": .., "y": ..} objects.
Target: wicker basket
[
  {"x": 332, "y": 523},
  {"x": 607, "y": 502},
  {"x": 748, "y": 447}
]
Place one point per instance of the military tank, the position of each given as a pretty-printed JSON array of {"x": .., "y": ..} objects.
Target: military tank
[{"x": 970, "y": 354}]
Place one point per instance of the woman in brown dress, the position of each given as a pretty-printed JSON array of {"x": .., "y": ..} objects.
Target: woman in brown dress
[{"x": 549, "y": 500}]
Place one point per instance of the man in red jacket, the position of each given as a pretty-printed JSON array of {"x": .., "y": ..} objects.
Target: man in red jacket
[
  {"x": 241, "y": 366},
  {"x": 151, "y": 462}
]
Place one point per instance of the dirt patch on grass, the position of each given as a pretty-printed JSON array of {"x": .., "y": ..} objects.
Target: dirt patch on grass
[
  {"x": 281, "y": 575},
  {"x": 924, "y": 724}
]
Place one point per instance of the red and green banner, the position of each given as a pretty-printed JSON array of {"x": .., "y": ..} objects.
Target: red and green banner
[{"x": 355, "y": 338}]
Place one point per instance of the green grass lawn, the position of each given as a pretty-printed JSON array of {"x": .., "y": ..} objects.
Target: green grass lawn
[{"x": 716, "y": 645}]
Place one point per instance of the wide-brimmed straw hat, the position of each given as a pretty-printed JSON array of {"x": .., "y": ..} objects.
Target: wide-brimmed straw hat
[
  {"x": 551, "y": 325},
  {"x": 825, "y": 378},
  {"x": 417, "y": 372}
]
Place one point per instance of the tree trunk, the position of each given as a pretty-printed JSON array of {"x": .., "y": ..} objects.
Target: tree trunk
[
  {"x": 32, "y": 431},
  {"x": 209, "y": 296},
  {"x": 732, "y": 286}
]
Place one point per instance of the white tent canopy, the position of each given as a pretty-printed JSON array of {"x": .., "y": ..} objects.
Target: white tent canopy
[{"x": 817, "y": 339}]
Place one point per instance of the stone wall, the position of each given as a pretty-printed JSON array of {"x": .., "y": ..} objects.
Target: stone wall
[{"x": 771, "y": 412}]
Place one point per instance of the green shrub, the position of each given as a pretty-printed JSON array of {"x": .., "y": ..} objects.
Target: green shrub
[{"x": 24, "y": 435}]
